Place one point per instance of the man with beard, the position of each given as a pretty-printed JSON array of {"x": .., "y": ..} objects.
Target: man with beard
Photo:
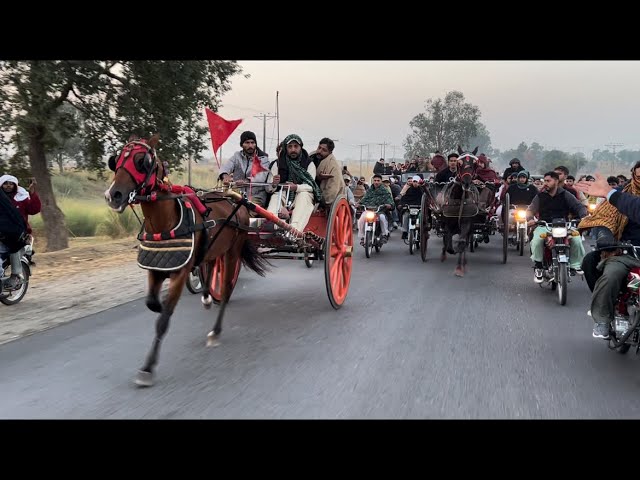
[
  {"x": 554, "y": 202},
  {"x": 606, "y": 269},
  {"x": 248, "y": 165},
  {"x": 295, "y": 169},
  {"x": 328, "y": 175}
]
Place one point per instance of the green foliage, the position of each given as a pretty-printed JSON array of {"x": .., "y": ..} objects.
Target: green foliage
[
  {"x": 82, "y": 218},
  {"x": 119, "y": 225},
  {"x": 444, "y": 125}
]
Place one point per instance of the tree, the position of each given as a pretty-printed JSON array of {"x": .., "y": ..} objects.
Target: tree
[
  {"x": 482, "y": 140},
  {"x": 553, "y": 159},
  {"x": 115, "y": 99},
  {"x": 445, "y": 125}
]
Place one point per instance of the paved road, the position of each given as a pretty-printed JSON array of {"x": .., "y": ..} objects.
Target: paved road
[{"x": 412, "y": 341}]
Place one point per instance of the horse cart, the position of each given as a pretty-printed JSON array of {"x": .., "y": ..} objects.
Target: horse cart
[
  {"x": 439, "y": 207},
  {"x": 327, "y": 237}
]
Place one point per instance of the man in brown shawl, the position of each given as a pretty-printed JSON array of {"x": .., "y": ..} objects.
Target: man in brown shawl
[
  {"x": 328, "y": 173},
  {"x": 607, "y": 268}
]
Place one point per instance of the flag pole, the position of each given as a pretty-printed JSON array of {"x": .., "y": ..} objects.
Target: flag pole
[{"x": 278, "y": 117}]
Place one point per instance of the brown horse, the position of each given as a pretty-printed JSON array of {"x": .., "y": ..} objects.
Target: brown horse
[
  {"x": 173, "y": 246},
  {"x": 461, "y": 207}
]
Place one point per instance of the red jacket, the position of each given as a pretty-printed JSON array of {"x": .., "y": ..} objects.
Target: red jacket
[{"x": 29, "y": 206}]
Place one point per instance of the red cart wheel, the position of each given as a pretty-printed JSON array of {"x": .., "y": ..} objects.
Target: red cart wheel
[{"x": 338, "y": 249}]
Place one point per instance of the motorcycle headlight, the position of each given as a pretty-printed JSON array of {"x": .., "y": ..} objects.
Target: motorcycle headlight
[
  {"x": 592, "y": 207},
  {"x": 559, "y": 231},
  {"x": 414, "y": 211},
  {"x": 370, "y": 216},
  {"x": 522, "y": 214}
]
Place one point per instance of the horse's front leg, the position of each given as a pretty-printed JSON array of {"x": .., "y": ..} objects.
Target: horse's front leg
[
  {"x": 465, "y": 230},
  {"x": 155, "y": 280},
  {"x": 226, "y": 286},
  {"x": 445, "y": 246},
  {"x": 176, "y": 285}
]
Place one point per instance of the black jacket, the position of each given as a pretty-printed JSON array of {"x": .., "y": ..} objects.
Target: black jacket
[
  {"x": 12, "y": 226},
  {"x": 628, "y": 205},
  {"x": 547, "y": 208}
]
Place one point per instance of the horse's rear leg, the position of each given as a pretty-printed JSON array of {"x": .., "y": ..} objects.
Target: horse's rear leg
[
  {"x": 445, "y": 241},
  {"x": 230, "y": 259},
  {"x": 178, "y": 279},
  {"x": 206, "y": 272},
  {"x": 155, "y": 279},
  {"x": 462, "y": 247}
]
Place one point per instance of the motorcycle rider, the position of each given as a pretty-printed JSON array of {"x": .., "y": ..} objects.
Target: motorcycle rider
[
  {"x": 617, "y": 219},
  {"x": 376, "y": 196},
  {"x": 411, "y": 194},
  {"x": 553, "y": 203},
  {"x": 27, "y": 203}
]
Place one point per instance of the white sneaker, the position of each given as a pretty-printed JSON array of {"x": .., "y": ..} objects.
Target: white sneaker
[
  {"x": 537, "y": 275},
  {"x": 588, "y": 313}
]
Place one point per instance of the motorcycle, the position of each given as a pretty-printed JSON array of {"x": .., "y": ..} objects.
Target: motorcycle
[
  {"x": 519, "y": 225},
  {"x": 624, "y": 331},
  {"x": 556, "y": 261},
  {"x": 372, "y": 229},
  {"x": 413, "y": 230},
  {"x": 11, "y": 296}
]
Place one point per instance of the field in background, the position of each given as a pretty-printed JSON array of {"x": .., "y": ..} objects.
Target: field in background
[{"x": 80, "y": 196}]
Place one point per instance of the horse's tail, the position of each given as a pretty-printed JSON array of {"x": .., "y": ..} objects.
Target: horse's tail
[{"x": 253, "y": 259}]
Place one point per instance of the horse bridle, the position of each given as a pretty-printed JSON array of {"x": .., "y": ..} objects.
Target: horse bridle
[
  {"x": 460, "y": 174},
  {"x": 149, "y": 162}
]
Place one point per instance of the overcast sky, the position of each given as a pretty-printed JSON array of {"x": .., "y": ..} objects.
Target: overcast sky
[{"x": 570, "y": 105}]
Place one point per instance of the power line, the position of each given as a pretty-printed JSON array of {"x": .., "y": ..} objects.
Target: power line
[
  {"x": 613, "y": 160},
  {"x": 264, "y": 117}
]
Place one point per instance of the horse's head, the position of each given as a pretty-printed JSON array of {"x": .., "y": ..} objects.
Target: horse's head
[
  {"x": 136, "y": 170},
  {"x": 466, "y": 166}
]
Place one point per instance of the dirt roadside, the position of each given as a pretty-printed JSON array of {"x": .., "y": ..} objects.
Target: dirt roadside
[{"x": 74, "y": 283}]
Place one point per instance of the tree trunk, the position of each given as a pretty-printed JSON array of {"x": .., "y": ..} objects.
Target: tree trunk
[
  {"x": 60, "y": 162},
  {"x": 52, "y": 216}
]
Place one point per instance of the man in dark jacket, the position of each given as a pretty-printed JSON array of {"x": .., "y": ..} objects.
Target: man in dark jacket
[
  {"x": 15, "y": 207},
  {"x": 411, "y": 194},
  {"x": 548, "y": 205},
  {"x": 514, "y": 167},
  {"x": 446, "y": 174}
]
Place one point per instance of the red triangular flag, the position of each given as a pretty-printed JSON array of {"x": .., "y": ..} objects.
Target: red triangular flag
[
  {"x": 256, "y": 166},
  {"x": 220, "y": 130}
]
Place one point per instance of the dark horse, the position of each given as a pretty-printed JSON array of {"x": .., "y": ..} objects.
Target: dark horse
[
  {"x": 140, "y": 177},
  {"x": 459, "y": 209}
]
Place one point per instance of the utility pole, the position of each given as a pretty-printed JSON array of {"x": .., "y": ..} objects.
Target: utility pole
[
  {"x": 577, "y": 166},
  {"x": 614, "y": 145},
  {"x": 362, "y": 145},
  {"x": 383, "y": 149},
  {"x": 264, "y": 117}
]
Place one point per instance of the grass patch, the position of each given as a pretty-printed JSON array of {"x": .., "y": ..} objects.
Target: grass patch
[{"x": 119, "y": 225}]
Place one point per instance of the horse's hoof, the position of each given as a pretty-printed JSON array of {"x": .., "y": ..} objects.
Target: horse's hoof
[
  {"x": 207, "y": 301},
  {"x": 144, "y": 379},
  {"x": 213, "y": 340},
  {"x": 154, "y": 305},
  {"x": 443, "y": 257},
  {"x": 459, "y": 272}
]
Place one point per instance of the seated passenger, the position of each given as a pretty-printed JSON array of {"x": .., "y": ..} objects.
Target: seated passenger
[{"x": 295, "y": 169}]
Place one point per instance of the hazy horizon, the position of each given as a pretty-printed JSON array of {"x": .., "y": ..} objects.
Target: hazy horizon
[{"x": 568, "y": 105}]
